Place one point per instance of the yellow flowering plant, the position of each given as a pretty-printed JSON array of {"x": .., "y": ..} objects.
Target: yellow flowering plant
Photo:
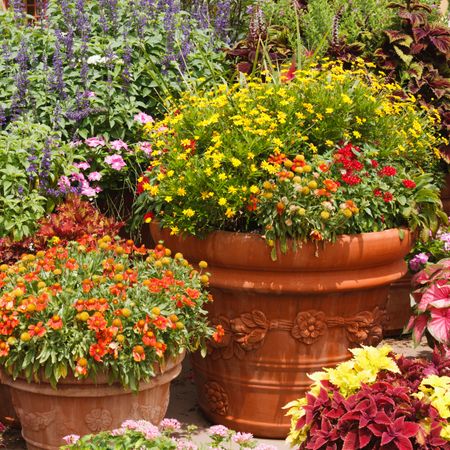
[
  {"x": 296, "y": 157},
  {"x": 375, "y": 399}
]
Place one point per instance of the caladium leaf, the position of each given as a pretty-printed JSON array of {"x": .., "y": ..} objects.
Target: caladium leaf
[{"x": 439, "y": 325}]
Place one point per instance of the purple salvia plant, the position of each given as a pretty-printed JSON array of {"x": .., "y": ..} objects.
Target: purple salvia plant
[
  {"x": 19, "y": 8},
  {"x": 19, "y": 100},
  {"x": 57, "y": 77},
  {"x": 200, "y": 13},
  {"x": 222, "y": 19},
  {"x": 66, "y": 12},
  {"x": 82, "y": 108},
  {"x": 186, "y": 45},
  {"x": 126, "y": 57},
  {"x": 2, "y": 117}
]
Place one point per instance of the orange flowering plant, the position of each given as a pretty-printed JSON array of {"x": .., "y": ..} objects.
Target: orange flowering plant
[{"x": 99, "y": 306}]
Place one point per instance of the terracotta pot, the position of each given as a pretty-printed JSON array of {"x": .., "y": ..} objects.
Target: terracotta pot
[
  {"x": 85, "y": 407},
  {"x": 8, "y": 415},
  {"x": 398, "y": 309},
  {"x": 285, "y": 319},
  {"x": 445, "y": 195}
]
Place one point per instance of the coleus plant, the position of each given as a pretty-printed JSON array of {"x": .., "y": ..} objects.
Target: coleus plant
[
  {"x": 71, "y": 221},
  {"x": 377, "y": 400},
  {"x": 431, "y": 310},
  {"x": 417, "y": 52}
]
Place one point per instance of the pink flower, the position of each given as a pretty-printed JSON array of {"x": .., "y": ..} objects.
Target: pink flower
[
  {"x": 71, "y": 438},
  {"x": 77, "y": 177},
  {"x": 143, "y": 118},
  {"x": 118, "y": 144},
  {"x": 146, "y": 147},
  {"x": 94, "y": 142},
  {"x": 417, "y": 262},
  {"x": 82, "y": 165},
  {"x": 218, "y": 430},
  {"x": 242, "y": 438},
  {"x": 115, "y": 161},
  {"x": 95, "y": 176},
  {"x": 64, "y": 183},
  {"x": 170, "y": 424},
  {"x": 88, "y": 191}
]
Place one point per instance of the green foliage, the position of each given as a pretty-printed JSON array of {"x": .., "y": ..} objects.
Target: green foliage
[
  {"x": 134, "y": 65},
  {"x": 32, "y": 159}
]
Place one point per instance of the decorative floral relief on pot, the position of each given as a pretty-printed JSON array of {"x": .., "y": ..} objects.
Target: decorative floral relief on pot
[
  {"x": 36, "y": 421},
  {"x": 247, "y": 331},
  {"x": 216, "y": 397},
  {"x": 98, "y": 419},
  {"x": 152, "y": 413}
]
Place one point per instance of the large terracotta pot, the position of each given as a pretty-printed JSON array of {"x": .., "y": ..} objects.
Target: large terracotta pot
[
  {"x": 285, "y": 319},
  {"x": 398, "y": 309},
  {"x": 445, "y": 195},
  {"x": 84, "y": 407},
  {"x": 8, "y": 415}
]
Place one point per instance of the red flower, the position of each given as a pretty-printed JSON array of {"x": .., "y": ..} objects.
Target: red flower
[
  {"x": 97, "y": 351},
  {"x": 387, "y": 171},
  {"x": 148, "y": 217},
  {"x": 388, "y": 197},
  {"x": 253, "y": 203},
  {"x": 374, "y": 163},
  {"x": 161, "y": 322},
  {"x": 149, "y": 338},
  {"x": 377, "y": 192},
  {"x": 140, "y": 186},
  {"x": 96, "y": 322},
  {"x": 409, "y": 184},
  {"x": 290, "y": 74},
  {"x": 351, "y": 179},
  {"x": 37, "y": 330}
]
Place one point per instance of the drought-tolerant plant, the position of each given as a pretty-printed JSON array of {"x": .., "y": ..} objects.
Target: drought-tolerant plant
[
  {"x": 376, "y": 400},
  {"x": 99, "y": 306},
  {"x": 283, "y": 157}
]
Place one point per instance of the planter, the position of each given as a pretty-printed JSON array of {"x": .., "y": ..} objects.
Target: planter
[
  {"x": 285, "y": 319},
  {"x": 398, "y": 309},
  {"x": 7, "y": 413},
  {"x": 445, "y": 195},
  {"x": 84, "y": 407}
]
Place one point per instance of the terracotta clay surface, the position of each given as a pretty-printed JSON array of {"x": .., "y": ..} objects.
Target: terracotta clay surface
[
  {"x": 285, "y": 319},
  {"x": 398, "y": 307},
  {"x": 7, "y": 414},
  {"x": 84, "y": 407}
]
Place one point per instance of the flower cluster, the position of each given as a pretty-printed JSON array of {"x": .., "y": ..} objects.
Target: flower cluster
[
  {"x": 169, "y": 435},
  {"x": 431, "y": 310},
  {"x": 375, "y": 400},
  {"x": 213, "y": 155},
  {"x": 99, "y": 304},
  {"x": 432, "y": 250},
  {"x": 106, "y": 164}
]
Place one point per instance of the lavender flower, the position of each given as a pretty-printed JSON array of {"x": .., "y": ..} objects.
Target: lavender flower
[
  {"x": 418, "y": 261},
  {"x": 2, "y": 117},
  {"x": 19, "y": 101},
  {"x": 200, "y": 13},
  {"x": 222, "y": 19},
  {"x": 56, "y": 80}
]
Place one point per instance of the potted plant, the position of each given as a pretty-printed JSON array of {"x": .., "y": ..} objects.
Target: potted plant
[
  {"x": 93, "y": 332},
  {"x": 376, "y": 400},
  {"x": 267, "y": 173},
  {"x": 431, "y": 305}
]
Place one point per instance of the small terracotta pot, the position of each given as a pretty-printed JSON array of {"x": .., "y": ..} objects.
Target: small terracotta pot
[
  {"x": 85, "y": 407},
  {"x": 398, "y": 309},
  {"x": 285, "y": 319}
]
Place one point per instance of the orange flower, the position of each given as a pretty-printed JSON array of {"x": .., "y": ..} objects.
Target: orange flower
[
  {"x": 161, "y": 322},
  {"x": 4, "y": 348},
  {"x": 330, "y": 185},
  {"x": 97, "y": 351},
  {"x": 138, "y": 353},
  {"x": 316, "y": 235},
  {"x": 37, "y": 330},
  {"x": 218, "y": 334},
  {"x": 149, "y": 339},
  {"x": 96, "y": 322},
  {"x": 55, "y": 323}
]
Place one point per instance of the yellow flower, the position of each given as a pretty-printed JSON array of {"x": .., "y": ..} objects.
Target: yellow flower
[
  {"x": 235, "y": 162},
  {"x": 222, "y": 176},
  {"x": 181, "y": 191},
  {"x": 222, "y": 201},
  {"x": 174, "y": 230},
  {"x": 188, "y": 212},
  {"x": 232, "y": 190},
  {"x": 230, "y": 213},
  {"x": 346, "y": 99},
  {"x": 329, "y": 110},
  {"x": 357, "y": 134},
  {"x": 168, "y": 198},
  {"x": 153, "y": 190},
  {"x": 206, "y": 195},
  {"x": 254, "y": 189}
]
